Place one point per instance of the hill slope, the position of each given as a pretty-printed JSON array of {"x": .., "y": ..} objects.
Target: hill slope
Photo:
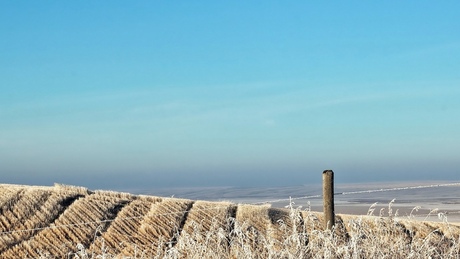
[{"x": 69, "y": 222}]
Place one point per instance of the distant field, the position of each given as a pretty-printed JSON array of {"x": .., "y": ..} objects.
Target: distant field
[
  {"x": 73, "y": 222},
  {"x": 429, "y": 201}
]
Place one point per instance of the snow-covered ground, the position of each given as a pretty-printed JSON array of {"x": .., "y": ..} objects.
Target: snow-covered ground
[{"x": 425, "y": 203}]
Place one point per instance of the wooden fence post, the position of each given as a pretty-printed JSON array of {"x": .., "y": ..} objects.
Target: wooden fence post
[{"x": 328, "y": 199}]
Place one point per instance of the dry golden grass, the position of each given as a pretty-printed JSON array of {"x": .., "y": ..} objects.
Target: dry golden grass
[
  {"x": 122, "y": 231},
  {"x": 72, "y": 222},
  {"x": 81, "y": 218}
]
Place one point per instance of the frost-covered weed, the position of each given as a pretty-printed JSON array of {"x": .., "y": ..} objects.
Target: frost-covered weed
[{"x": 301, "y": 235}]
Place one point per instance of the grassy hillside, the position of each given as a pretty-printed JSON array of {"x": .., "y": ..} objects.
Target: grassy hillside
[{"x": 73, "y": 222}]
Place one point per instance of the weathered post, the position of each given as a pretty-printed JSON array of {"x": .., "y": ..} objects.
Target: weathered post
[{"x": 328, "y": 198}]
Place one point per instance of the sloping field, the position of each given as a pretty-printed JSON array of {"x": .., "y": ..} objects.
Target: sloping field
[{"x": 73, "y": 222}]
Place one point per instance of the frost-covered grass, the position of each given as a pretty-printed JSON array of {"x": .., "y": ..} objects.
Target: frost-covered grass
[
  {"x": 72, "y": 222},
  {"x": 301, "y": 235}
]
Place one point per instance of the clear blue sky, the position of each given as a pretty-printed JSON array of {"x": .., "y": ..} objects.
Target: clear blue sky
[{"x": 110, "y": 94}]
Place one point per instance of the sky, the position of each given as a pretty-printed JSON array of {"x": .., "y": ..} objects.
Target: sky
[{"x": 127, "y": 94}]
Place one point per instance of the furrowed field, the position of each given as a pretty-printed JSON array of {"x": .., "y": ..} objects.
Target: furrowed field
[{"x": 73, "y": 222}]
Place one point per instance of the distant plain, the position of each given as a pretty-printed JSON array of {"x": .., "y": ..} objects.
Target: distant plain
[{"x": 422, "y": 203}]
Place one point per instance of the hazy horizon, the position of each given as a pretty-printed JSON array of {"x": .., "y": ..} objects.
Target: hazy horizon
[{"x": 133, "y": 94}]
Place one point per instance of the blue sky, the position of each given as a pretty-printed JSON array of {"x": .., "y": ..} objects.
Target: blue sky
[{"x": 111, "y": 94}]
